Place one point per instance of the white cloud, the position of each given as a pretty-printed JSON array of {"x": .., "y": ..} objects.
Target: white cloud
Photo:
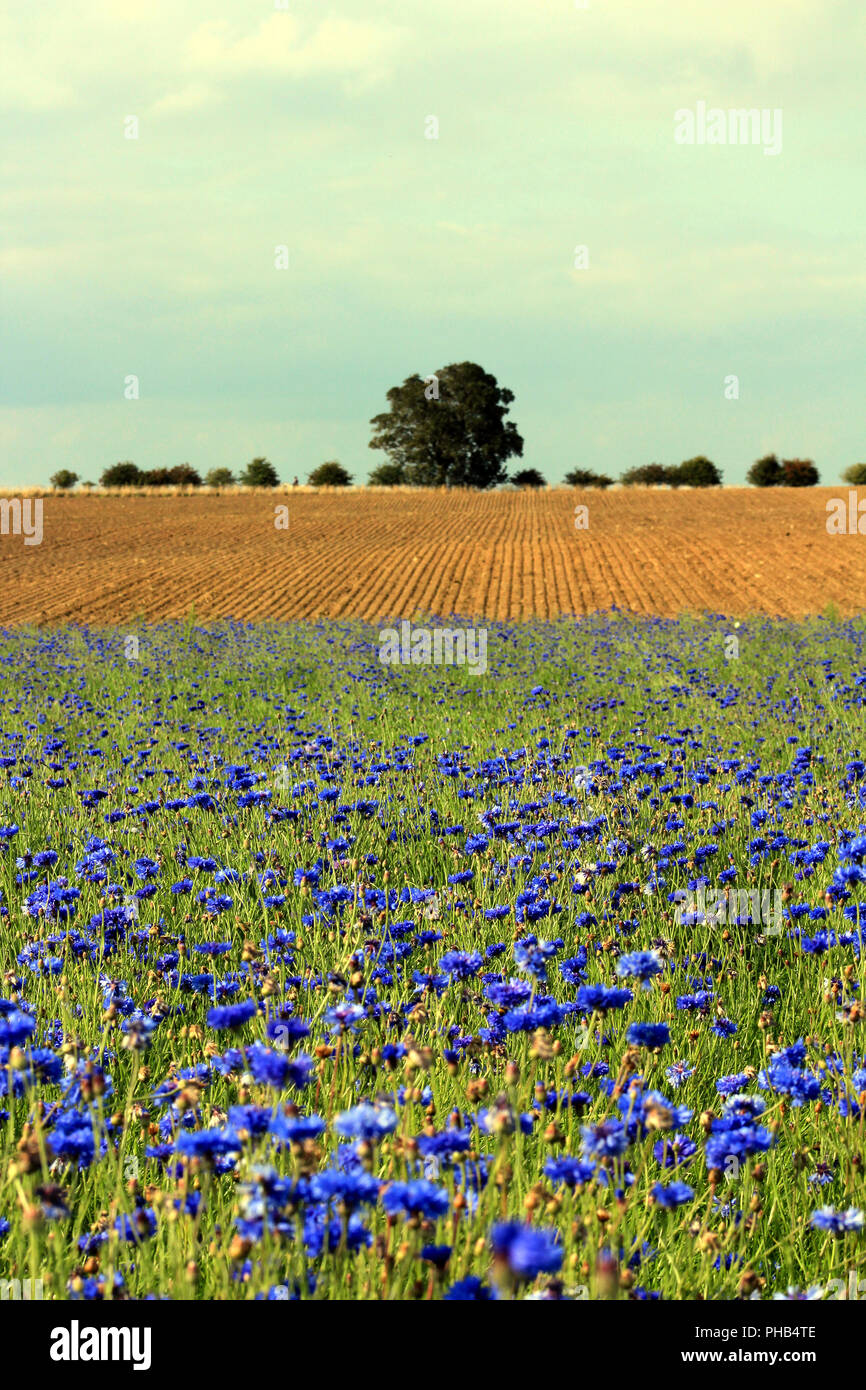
[
  {"x": 28, "y": 84},
  {"x": 187, "y": 98},
  {"x": 281, "y": 44}
]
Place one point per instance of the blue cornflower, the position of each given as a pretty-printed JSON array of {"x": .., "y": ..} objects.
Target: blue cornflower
[
  {"x": 640, "y": 965},
  {"x": 296, "y": 1129},
  {"x": 208, "y": 1143},
  {"x": 675, "y": 1152},
  {"x": 416, "y": 1198},
  {"x": 724, "y": 1028},
  {"x": 600, "y": 998},
  {"x": 436, "y": 1255},
  {"x": 469, "y": 1290},
  {"x": 351, "y": 1190},
  {"x": 678, "y": 1072},
  {"x": 527, "y": 1250},
  {"x": 651, "y": 1035},
  {"x": 461, "y": 965},
  {"x": 366, "y": 1122},
  {"x": 509, "y": 994},
  {"x": 676, "y": 1194},
  {"x": 346, "y": 1017},
  {"x": 838, "y": 1223},
  {"x": 607, "y": 1139},
  {"x": 572, "y": 1172},
  {"x": 727, "y": 1142},
  {"x": 15, "y": 1026},
  {"x": 729, "y": 1085},
  {"x": 232, "y": 1015},
  {"x": 270, "y": 1067},
  {"x": 72, "y": 1137},
  {"x": 531, "y": 956}
]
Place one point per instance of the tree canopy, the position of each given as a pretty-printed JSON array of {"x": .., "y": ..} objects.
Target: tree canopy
[
  {"x": 584, "y": 477},
  {"x": 387, "y": 475},
  {"x": 124, "y": 474},
  {"x": 449, "y": 428},
  {"x": 696, "y": 472},
  {"x": 528, "y": 477},
  {"x": 799, "y": 473},
  {"x": 63, "y": 480},
  {"x": 259, "y": 472},
  {"x": 646, "y": 475},
  {"x": 765, "y": 472},
  {"x": 330, "y": 474}
]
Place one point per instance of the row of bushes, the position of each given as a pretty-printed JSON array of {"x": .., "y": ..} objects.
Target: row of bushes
[
  {"x": 769, "y": 472},
  {"x": 696, "y": 472},
  {"x": 700, "y": 472},
  {"x": 258, "y": 473}
]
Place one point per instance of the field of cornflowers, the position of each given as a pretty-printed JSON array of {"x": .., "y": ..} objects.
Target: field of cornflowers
[{"x": 328, "y": 980}]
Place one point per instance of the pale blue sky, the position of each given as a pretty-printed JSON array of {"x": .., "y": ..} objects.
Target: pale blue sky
[{"x": 306, "y": 127}]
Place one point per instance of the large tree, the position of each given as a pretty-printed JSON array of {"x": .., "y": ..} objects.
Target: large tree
[{"x": 449, "y": 428}]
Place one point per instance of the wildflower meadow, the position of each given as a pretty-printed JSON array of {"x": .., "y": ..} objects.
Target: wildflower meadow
[{"x": 326, "y": 979}]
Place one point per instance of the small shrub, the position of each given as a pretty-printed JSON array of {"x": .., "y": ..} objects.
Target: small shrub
[
  {"x": 765, "y": 472},
  {"x": 183, "y": 475},
  {"x": 330, "y": 474},
  {"x": 121, "y": 475},
  {"x": 799, "y": 473},
  {"x": 698, "y": 472},
  {"x": 647, "y": 475},
  {"x": 220, "y": 477},
  {"x": 528, "y": 477},
  {"x": 584, "y": 477},
  {"x": 259, "y": 473},
  {"x": 387, "y": 475},
  {"x": 63, "y": 480}
]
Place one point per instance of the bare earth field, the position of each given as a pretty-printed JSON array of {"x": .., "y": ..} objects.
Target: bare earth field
[{"x": 373, "y": 554}]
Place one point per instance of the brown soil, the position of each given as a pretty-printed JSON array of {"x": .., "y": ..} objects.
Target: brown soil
[{"x": 372, "y": 554}]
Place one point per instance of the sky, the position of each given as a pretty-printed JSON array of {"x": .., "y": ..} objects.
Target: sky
[{"x": 312, "y": 127}]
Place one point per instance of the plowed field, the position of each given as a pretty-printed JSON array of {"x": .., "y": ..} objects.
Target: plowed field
[{"x": 373, "y": 554}]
